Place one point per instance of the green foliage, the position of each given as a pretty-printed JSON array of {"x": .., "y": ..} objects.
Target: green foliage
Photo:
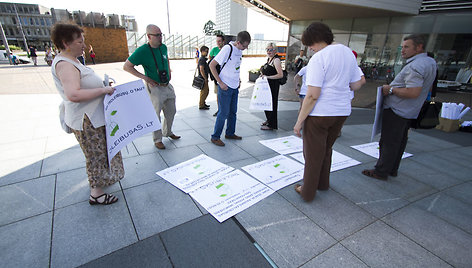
[{"x": 12, "y": 47}]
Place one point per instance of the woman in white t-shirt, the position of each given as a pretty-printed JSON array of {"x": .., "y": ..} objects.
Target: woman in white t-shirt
[{"x": 331, "y": 75}]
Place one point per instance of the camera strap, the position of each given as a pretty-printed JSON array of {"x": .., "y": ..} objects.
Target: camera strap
[{"x": 154, "y": 57}]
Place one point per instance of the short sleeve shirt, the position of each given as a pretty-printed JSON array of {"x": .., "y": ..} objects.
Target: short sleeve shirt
[
  {"x": 332, "y": 69},
  {"x": 420, "y": 71},
  {"x": 214, "y": 51},
  {"x": 230, "y": 72},
  {"x": 302, "y": 73},
  {"x": 143, "y": 56},
  {"x": 203, "y": 62}
]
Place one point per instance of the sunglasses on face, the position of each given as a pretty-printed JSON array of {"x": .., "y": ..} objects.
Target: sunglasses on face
[
  {"x": 270, "y": 49},
  {"x": 156, "y": 35}
]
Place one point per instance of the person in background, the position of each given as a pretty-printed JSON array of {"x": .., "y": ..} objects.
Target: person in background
[
  {"x": 81, "y": 58},
  {"x": 220, "y": 42},
  {"x": 48, "y": 57},
  {"x": 272, "y": 71},
  {"x": 33, "y": 55},
  {"x": 331, "y": 75},
  {"x": 228, "y": 80},
  {"x": 92, "y": 54},
  {"x": 403, "y": 100},
  {"x": 203, "y": 71},
  {"x": 300, "y": 82},
  {"x": 82, "y": 93},
  {"x": 197, "y": 54},
  {"x": 300, "y": 61},
  {"x": 153, "y": 57}
]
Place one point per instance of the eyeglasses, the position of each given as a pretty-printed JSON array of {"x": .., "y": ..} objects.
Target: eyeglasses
[
  {"x": 270, "y": 49},
  {"x": 156, "y": 35}
]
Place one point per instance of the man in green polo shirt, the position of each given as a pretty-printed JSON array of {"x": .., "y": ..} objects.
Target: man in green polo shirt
[
  {"x": 220, "y": 42},
  {"x": 153, "y": 57}
]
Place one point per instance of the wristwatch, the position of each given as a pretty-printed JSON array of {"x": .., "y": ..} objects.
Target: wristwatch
[{"x": 390, "y": 91}]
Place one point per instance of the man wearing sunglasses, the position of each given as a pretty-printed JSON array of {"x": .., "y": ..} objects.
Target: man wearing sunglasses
[{"x": 153, "y": 57}]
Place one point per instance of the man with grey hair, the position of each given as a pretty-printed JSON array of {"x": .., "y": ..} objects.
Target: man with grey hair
[
  {"x": 403, "y": 100},
  {"x": 153, "y": 57}
]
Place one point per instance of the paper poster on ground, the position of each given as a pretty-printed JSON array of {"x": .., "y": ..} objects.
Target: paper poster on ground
[
  {"x": 372, "y": 149},
  {"x": 129, "y": 114},
  {"x": 230, "y": 194},
  {"x": 377, "y": 127},
  {"x": 338, "y": 160},
  {"x": 194, "y": 173},
  {"x": 276, "y": 172},
  {"x": 284, "y": 145},
  {"x": 261, "y": 98}
]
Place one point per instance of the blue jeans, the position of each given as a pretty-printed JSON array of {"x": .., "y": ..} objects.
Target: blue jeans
[{"x": 227, "y": 108}]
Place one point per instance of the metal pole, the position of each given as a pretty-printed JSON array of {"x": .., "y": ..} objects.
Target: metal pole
[
  {"x": 21, "y": 30},
  {"x": 5, "y": 42},
  {"x": 168, "y": 19}
]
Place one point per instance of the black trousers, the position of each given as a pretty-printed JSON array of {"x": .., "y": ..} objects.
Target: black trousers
[
  {"x": 272, "y": 115},
  {"x": 393, "y": 140}
]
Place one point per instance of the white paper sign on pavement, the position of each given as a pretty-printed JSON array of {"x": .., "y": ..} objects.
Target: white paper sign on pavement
[
  {"x": 261, "y": 98},
  {"x": 372, "y": 149},
  {"x": 276, "y": 172},
  {"x": 284, "y": 145},
  {"x": 338, "y": 160},
  {"x": 194, "y": 173},
  {"x": 129, "y": 114},
  {"x": 230, "y": 194}
]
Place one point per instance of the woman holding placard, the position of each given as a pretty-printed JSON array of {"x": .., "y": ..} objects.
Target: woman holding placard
[
  {"x": 331, "y": 75},
  {"x": 82, "y": 110}
]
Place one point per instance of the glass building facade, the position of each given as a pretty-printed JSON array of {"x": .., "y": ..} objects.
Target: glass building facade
[{"x": 377, "y": 41}]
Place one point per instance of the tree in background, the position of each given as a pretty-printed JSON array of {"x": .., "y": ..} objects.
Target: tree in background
[{"x": 209, "y": 27}]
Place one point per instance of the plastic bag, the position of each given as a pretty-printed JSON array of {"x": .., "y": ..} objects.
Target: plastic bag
[{"x": 261, "y": 96}]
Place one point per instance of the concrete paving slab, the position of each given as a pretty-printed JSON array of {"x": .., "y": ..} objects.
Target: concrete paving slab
[
  {"x": 211, "y": 244},
  {"x": 448, "y": 167},
  {"x": 73, "y": 187},
  {"x": 18, "y": 170},
  {"x": 225, "y": 154},
  {"x": 62, "y": 161},
  {"x": 26, "y": 243},
  {"x": 149, "y": 252},
  {"x": 159, "y": 206},
  {"x": 458, "y": 156},
  {"x": 145, "y": 144},
  {"x": 179, "y": 125},
  {"x": 462, "y": 192},
  {"x": 450, "y": 209},
  {"x": 142, "y": 169},
  {"x": 379, "y": 245},
  {"x": 200, "y": 121},
  {"x": 252, "y": 146},
  {"x": 434, "y": 234},
  {"x": 82, "y": 233},
  {"x": 288, "y": 236},
  {"x": 336, "y": 256},
  {"x": 26, "y": 199},
  {"x": 333, "y": 213},
  {"x": 363, "y": 192},
  {"x": 189, "y": 137},
  {"x": 176, "y": 156},
  {"x": 18, "y": 150},
  {"x": 242, "y": 163},
  {"x": 129, "y": 151},
  {"x": 425, "y": 174}
]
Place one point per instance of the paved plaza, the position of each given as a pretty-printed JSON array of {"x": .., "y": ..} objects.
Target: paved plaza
[{"x": 421, "y": 218}]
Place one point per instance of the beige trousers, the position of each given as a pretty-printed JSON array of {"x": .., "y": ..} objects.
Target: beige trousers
[{"x": 163, "y": 99}]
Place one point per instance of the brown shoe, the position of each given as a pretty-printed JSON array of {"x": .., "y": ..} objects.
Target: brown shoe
[
  {"x": 298, "y": 188},
  {"x": 160, "y": 145},
  {"x": 371, "y": 173},
  {"x": 233, "y": 137},
  {"x": 174, "y": 137},
  {"x": 218, "y": 142}
]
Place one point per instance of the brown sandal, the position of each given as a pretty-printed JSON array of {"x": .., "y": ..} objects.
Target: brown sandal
[
  {"x": 107, "y": 200},
  {"x": 371, "y": 173},
  {"x": 298, "y": 188}
]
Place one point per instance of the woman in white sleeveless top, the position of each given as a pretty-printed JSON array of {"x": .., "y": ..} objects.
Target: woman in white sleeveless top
[{"x": 82, "y": 110}]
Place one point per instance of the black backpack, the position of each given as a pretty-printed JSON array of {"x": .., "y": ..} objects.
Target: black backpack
[
  {"x": 218, "y": 67},
  {"x": 283, "y": 80}
]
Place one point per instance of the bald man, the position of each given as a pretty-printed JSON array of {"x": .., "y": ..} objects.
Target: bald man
[{"x": 153, "y": 57}]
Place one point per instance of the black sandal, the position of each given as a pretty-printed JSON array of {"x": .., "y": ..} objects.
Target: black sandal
[{"x": 107, "y": 200}]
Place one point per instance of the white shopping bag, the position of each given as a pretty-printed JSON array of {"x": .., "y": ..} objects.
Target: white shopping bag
[{"x": 261, "y": 97}]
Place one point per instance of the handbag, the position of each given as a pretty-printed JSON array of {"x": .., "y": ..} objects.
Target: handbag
[
  {"x": 429, "y": 113},
  {"x": 198, "y": 81}
]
